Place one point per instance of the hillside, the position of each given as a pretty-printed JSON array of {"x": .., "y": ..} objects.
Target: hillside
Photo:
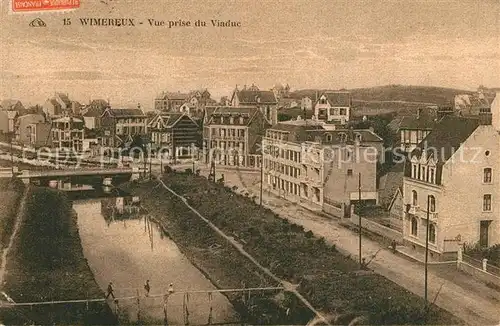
[{"x": 424, "y": 95}]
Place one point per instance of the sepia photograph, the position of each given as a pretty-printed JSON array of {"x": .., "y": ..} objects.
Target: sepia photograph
[{"x": 250, "y": 162}]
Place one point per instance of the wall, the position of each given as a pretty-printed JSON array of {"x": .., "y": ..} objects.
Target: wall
[
  {"x": 461, "y": 209},
  {"x": 4, "y": 122},
  {"x": 339, "y": 185},
  {"x": 478, "y": 273},
  {"x": 376, "y": 228}
]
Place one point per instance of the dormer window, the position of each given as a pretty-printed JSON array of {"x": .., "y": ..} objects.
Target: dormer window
[
  {"x": 414, "y": 170},
  {"x": 342, "y": 137}
]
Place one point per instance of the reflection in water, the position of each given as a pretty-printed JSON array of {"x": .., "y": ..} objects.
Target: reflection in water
[{"x": 118, "y": 238}]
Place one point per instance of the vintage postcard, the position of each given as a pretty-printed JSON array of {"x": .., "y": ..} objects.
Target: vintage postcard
[{"x": 258, "y": 162}]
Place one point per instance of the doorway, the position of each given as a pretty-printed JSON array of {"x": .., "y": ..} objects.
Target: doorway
[{"x": 484, "y": 227}]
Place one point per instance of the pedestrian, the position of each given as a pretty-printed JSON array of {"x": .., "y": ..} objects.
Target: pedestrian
[
  {"x": 110, "y": 290},
  {"x": 394, "y": 246},
  {"x": 171, "y": 288},
  {"x": 147, "y": 288}
]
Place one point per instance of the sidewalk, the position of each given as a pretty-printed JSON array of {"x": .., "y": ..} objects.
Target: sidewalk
[{"x": 480, "y": 307}]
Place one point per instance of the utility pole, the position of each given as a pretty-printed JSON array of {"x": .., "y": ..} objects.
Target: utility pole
[
  {"x": 359, "y": 217},
  {"x": 426, "y": 250},
  {"x": 192, "y": 155},
  {"x": 261, "y": 175},
  {"x": 11, "y": 154},
  {"x": 150, "y": 162}
]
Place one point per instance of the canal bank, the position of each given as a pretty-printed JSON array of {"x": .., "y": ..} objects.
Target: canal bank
[
  {"x": 46, "y": 263},
  {"x": 129, "y": 249},
  {"x": 331, "y": 282}
]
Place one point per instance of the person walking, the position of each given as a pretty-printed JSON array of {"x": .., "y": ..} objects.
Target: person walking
[
  {"x": 393, "y": 245},
  {"x": 147, "y": 288},
  {"x": 171, "y": 288},
  {"x": 110, "y": 290}
]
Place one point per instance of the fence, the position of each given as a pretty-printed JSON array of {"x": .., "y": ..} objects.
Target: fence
[
  {"x": 203, "y": 307},
  {"x": 480, "y": 269}
]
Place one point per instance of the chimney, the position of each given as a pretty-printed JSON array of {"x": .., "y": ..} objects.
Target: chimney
[
  {"x": 74, "y": 108},
  {"x": 419, "y": 111},
  {"x": 495, "y": 112}
]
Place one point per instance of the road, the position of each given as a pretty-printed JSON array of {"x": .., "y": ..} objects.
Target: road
[{"x": 481, "y": 307}]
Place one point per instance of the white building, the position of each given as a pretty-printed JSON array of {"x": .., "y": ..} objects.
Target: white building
[
  {"x": 334, "y": 107},
  {"x": 454, "y": 177}
]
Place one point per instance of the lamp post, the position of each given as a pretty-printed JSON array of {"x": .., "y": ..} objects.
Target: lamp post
[{"x": 426, "y": 249}]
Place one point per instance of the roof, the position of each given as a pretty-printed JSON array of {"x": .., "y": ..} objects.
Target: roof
[
  {"x": 229, "y": 111},
  {"x": 99, "y": 103},
  {"x": 94, "y": 111},
  {"x": 64, "y": 98},
  {"x": 125, "y": 112},
  {"x": 9, "y": 104},
  {"x": 338, "y": 99},
  {"x": 255, "y": 97},
  {"x": 464, "y": 101},
  {"x": 173, "y": 96},
  {"x": 390, "y": 183},
  {"x": 67, "y": 119},
  {"x": 297, "y": 132},
  {"x": 446, "y": 137},
  {"x": 420, "y": 123},
  {"x": 54, "y": 102}
]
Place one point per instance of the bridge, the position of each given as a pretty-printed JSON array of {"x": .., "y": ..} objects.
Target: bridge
[{"x": 63, "y": 179}]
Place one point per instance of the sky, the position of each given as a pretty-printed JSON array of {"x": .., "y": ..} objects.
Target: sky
[{"x": 305, "y": 43}]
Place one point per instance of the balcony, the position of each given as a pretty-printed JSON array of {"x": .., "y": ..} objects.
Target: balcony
[{"x": 413, "y": 209}]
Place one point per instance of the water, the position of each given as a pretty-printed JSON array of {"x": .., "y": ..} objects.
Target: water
[{"x": 132, "y": 250}]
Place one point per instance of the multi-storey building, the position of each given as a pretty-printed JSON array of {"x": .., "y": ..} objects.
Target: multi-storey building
[
  {"x": 120, "y": 126},
  {"x": 411, "y": 130},
  {"x": 60, "y": 104},
  {"x": 334, "y": 107},
  {"x": 68, "y": 133},
  {"x": 232, "y": 135},
  {"x": 307, "y": 164},
  {"x": 33, "y": 130},
  {"x": 174, "y": 135},
  {"x": 452, "y": 179},
  {"x": 265, "y": 101},
  {"x": 177, "y": 102}
]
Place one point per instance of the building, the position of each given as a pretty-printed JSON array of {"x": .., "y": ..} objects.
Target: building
[
  {"x": 59, "y": 105},
  {"x": 175, "y": 135},
  {"x": 306, "y": 103},
  {"x": 334, "y": 107},
  {"x": 471, "y": 104},
  {"x": 120, "y": 126},
  {"x": 177, "y": 102},
  {"x": 68, "y": 133},
  {"x": 33, "y": 130},
  {"x": 265, "y": 101},
  {"x": 452, "y": 177},
  {"x": 92, "y": 117},
  {"x": 411, "y": 130},
  {"x": 4, "y": 122},
  {"x": 309, "y": 165},
  {"x": 12, "y": 105},
  {"x": 232, "y": 135}
]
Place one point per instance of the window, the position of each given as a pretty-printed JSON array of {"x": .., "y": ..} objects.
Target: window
[
  {"x": 414, "y": 226},
  {"x": 328, "y": 137},
  {"x": 423, "y": 173},
  {"x": 487, "y": 175},
  {"x": 349, "y": 172},
  {"x": 432, "y": 204},
  {"x": 432, "y": 175},
  {"x": 487, "y": 203},
  {"x": 414, "y": 171},
  {"x": 414, "y": 198},
  {"x": 432, "y": 233}
]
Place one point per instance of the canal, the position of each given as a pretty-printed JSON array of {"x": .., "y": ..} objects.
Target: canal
[{"x": 127, "y": 248}]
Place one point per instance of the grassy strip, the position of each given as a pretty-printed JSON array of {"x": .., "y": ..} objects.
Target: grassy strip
[
  {"x": 329, "y": 280},
  {"x": 10, "y": 195},
  {"x": 46, "y": 263},
  {"x": 213, "y": 256}
]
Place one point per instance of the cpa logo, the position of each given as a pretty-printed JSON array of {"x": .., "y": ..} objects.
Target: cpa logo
[{"x": 38, "y": 22}]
